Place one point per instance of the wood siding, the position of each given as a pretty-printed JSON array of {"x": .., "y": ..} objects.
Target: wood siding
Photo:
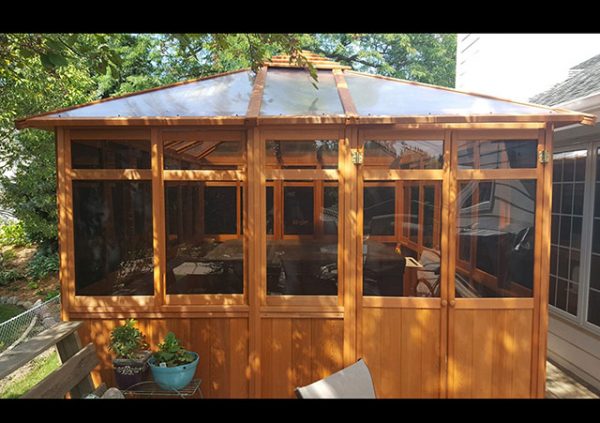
[
  {"x": 402, "y": 349},
  {"x": 491, "y": 354},
  {"x": 296, "y": 352}
]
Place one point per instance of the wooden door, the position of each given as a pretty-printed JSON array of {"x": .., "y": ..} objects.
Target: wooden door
[
  {"x": 496, "y": 211},
  {"x": 401, "y": 270}
]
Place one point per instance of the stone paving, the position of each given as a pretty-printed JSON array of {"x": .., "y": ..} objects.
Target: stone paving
[{"x": 562, "y": 385}]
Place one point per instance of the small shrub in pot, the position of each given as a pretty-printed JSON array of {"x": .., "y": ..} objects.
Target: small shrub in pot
[{"x": 131, "y": 354}]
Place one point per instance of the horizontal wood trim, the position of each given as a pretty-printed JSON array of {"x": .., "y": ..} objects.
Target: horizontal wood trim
[
  {"x": 433, "y": 128},
  {"x": 47, "y": 122},
  {"x": 191, "y": 312},
  {"x": 28, "y": 350},
  {"x": 302, "y": 300},
  {"x": 111, "y": 174},
  {"x": 281, "y": 174},
  {"x": 403, "y": 174},
  {"x": 402, "y": 302},
  {"x": 204, "y": 175},
  {"x": 109, "y": 134},
  {"x": 302, "y": 315},
  {"x": 400, "y": 133},
  {"x": 206, "y": 299},
  {"x": 192, "y": 134},
  {"x": 93, "y": 302},
  {"x": 470, "y": 174},
  {"x": 57, "y": 384},
  {"x": 494, "y": 303},
  {"x": 496, "y": 134},
  {"x": 283, "y": 310},
  {"x": 276, "y": 134}
]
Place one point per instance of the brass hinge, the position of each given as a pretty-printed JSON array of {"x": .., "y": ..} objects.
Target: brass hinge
[
  {"x": 544, "y": 156},
  {"x": 357, "y": 156}
]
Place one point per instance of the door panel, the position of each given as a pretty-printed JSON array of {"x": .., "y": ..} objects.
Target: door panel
[
  {"x": 401, "y": 312},
  {"x": 490, "y": 354},
  {"x": 402, "y": 349}
]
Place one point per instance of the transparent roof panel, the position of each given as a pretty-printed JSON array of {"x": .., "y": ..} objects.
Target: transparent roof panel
[
  {"x": 226, "y": 95},
  {"x": 380, "y": 97},
  {"x": 290, "y": 92}
]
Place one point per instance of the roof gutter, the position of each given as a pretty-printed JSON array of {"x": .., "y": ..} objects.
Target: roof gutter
[{"x": 582, "y": 104}]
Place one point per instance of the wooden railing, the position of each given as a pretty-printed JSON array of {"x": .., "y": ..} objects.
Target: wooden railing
[{"x": 73, "y": 376}]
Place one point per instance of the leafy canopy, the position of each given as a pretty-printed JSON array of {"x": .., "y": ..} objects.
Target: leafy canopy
[{"x": 42, "y": 72}]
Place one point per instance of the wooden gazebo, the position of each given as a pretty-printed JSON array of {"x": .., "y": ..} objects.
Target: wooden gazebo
[{"x": 283, "y": 231}]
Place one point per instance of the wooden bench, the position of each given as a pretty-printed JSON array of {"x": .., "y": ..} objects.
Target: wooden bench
[{"x": 72, "y": 376}]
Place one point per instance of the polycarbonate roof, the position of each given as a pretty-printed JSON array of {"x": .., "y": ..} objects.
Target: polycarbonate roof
[
  {"x": 226, "y": 95},
  {"x": 282, "y": 89}
]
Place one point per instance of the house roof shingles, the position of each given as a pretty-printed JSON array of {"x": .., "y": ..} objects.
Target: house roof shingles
[{"x": 584, "y": 79}]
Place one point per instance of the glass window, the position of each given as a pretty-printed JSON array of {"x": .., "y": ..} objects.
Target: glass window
[
  {"x": 99, "y": 154},
  {"x": 379, "y": 210},
  {"x": 204, "y": 240},
  {"x": 594, "y": 290},
  {"x": 112, "y": 229},
  {"x": 404, "y": 154},
  {"x": 402, "y": 261},
  {"x": 496, "y": 223},
  {"x": 567, "y": 216},
  {"x": 270, "y": 211},
  {"x": 314, "y": 154},
  {"x": 497, "y": 154},
  {"x": 298, "y": 210},
  {"x": 190, "y": 153},
  {"x": 304, "y": 260}
]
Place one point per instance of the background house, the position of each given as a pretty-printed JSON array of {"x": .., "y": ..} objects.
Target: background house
[
  {"x": 527, "y": 67},
  {"x": 574, "y": 328}
]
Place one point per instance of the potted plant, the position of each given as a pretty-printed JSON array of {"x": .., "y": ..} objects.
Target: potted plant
[
  {"x": 172, "y": 366},
  {"x": 131, "y": 354}
]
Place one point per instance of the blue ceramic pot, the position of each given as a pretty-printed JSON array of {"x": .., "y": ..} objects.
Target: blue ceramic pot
[{"x": 173, "y": 378}]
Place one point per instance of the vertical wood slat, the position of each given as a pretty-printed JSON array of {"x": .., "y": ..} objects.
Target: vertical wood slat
[
  {"x": 253, "y": 240},
  {"x": 158, "y": 218},
  {"x": 351, "y": 227},
  {"x": 540, "y": 326},
  {"x": 67, "y": 348},
  {"x": 63, "y": 227}
]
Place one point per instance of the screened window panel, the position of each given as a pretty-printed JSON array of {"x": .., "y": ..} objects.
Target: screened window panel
[
  {"x": 112, "y": 230},
  {"x": 304, "y": 260},
  {"x": 102, "y": 154},
  {"x": 404, "y": 154},
  {"x": 310, "y": 154},
  {"x": 496, "y": 154},
  {"x": 388, "y": 270},
  {"x": 496, "y": 219},
  {"x": 204, "y": 238},
  {"x": 291, "y": 92},
  {"x": 196, "y": 154}
]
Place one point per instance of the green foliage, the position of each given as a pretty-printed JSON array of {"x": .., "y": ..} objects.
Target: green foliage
[
  {"x": 172, "y": 353},
  {"x": 51, "y": 294},
  {"x": 43, "y": 72},
  {"x": 42, "y": 264},
  {"x": 13, "y": 234},
  {"x": 127, "y": 341},
  {"x": 8, "y": 274}
]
